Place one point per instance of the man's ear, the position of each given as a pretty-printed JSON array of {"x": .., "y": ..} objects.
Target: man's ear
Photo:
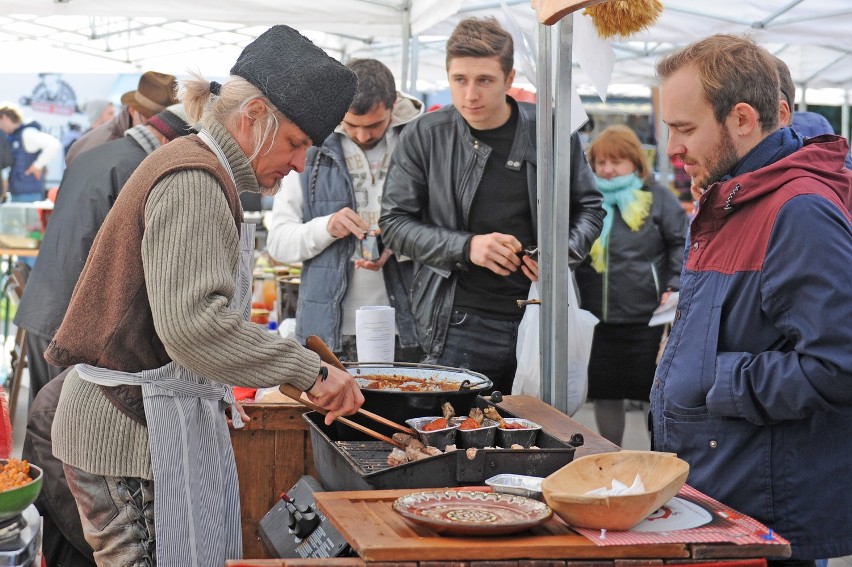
[{"x": 743, "y": 119}]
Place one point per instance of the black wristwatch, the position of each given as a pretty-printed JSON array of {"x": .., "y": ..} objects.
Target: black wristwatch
[{"x": 323, "y": 373}]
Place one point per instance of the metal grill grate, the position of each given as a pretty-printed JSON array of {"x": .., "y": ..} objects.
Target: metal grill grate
[{"x": 368, "y": 456}]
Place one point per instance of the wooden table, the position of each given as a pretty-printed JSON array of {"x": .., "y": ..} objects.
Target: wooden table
[{"x": 269, "y": 447}]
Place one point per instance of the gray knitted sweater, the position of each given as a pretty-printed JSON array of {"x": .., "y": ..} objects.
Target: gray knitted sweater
[{"x": 189, "y": 250}]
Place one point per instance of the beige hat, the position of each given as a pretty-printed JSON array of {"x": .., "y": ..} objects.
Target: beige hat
[{"x": 155, "y": 92}]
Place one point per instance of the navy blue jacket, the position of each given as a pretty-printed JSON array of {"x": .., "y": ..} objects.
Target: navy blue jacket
[
  {"x": 754, "y": 389},
  {"x": 19, "y": 181}
]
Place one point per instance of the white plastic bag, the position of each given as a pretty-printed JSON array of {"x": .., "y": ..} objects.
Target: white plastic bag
[
  {"x": 528, "y": 374},
  {"x": 581, "y": 328},
  {"x": 581, "y": 331}
]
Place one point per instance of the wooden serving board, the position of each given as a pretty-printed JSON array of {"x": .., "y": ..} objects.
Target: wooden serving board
[{"x": 378, "y": 533}]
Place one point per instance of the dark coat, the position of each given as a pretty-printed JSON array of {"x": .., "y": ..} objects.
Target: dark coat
[
  {"x": 87, "y": 192},
  {"x": 641, "y": 265}
]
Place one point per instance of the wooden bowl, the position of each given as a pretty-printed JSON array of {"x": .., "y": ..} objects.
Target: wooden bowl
[{"x": 565, "y": 490}]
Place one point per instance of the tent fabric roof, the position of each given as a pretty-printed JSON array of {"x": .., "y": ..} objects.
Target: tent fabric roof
[{"x": 812, "y": 36}]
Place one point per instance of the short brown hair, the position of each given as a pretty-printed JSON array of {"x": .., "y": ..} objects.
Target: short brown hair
[
  {"x": 732, "y": 69},
  {"x": 785, "y": 82},
  {"x": 620, "y": 142},
  {"x": 482, "y": 37},
  {"x": 375, "y": 85},
  {"x": 11, "y": 113}
]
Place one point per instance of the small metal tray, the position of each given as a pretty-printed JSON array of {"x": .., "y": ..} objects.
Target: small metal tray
[{"x": 522, "y": 485}]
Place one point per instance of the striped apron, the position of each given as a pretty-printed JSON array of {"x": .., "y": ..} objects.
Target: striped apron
[{"x": 196, "y": 491}]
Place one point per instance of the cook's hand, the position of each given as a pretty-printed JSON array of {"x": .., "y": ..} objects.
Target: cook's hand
[
  {"x": 665, "y": 297},
  {"x": 36, "y": 172},
  {"x": 377, "y": 265},
  {"x": 497, "y": 252},
  {"x": 338, "y": 394},
  {"x": 245, "y": 417},
  {"x": 345, "y": 222},
  {"x": 530, "y": 268}
]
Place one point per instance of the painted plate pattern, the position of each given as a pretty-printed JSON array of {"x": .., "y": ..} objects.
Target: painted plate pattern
[{"x": 460, "y": 512}]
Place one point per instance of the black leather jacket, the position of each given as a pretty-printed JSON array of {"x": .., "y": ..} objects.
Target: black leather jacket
[{"x": 434, "y": 174}]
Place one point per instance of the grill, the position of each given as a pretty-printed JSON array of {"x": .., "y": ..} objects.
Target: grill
[{"x": 362, "y": 464}]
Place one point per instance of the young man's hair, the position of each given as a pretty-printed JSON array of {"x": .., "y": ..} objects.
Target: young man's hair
[
  {"x": 11, "y": 113},
  {"x": 732, "y": 69},
  {"x": 482, "y": 37},
  {"x": 785, "y": 83},
  {"x": 375, "y": 85}
]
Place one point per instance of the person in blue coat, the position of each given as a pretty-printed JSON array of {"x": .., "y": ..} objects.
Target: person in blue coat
[{"x": 754, "y": 389}]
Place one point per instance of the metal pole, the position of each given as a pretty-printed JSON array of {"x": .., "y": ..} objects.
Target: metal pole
[
  {"x": 406, "y": 45},
  {"x": 544, "y": 182},
  {"x": 415, "y": 61},
  {"x": 560, "y": 214},
  {"x": 844, "y": 116}
]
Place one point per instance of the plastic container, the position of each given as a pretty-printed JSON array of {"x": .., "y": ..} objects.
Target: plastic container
[{"x": 20, "y": 225}]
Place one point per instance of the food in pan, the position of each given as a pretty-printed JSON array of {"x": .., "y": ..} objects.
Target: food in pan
[
  {"x": 442, "y": 422},
  {"x": 474, "y": 419},
  {"x": 405, "y": 383},
  {"x": 492, "y": 413},
  {"x": 414, "y": 450}
]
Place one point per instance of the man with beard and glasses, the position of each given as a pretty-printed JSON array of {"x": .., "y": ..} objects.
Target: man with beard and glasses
[
  {"x": 754, "y": 387},
  {"x": 327, "y": 217}
]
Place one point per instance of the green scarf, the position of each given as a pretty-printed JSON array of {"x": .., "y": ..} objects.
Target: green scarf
[{"x": 624, "y": 192}]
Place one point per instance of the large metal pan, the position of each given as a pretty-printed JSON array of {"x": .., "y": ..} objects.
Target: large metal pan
[
  {"x": 14, "y": 500},
  {"x": 415, "y": 390}
]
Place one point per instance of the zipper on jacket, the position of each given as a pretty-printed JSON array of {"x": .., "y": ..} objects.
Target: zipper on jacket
[
  {"x": 656, "y": 277},
  {"x": 605, "y": 297}
]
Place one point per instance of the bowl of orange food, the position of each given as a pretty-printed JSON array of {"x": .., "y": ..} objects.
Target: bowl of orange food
[{"x": 20, "y": 484}]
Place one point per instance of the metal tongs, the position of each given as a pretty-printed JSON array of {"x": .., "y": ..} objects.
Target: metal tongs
[{"x": 317, "y": 345}]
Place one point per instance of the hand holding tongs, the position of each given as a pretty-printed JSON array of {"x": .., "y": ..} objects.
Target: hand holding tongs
[{"x": 317, "y": 345}]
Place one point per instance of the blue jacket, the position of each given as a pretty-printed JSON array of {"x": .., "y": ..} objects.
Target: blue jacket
[
  {"x": 328, "y": 188},
  {"x": 19, "y": 181},
  {"x": 754, "y": 389}
]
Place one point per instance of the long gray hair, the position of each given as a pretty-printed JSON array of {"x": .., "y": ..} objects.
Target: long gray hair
[{"x": 226, "y": 108}]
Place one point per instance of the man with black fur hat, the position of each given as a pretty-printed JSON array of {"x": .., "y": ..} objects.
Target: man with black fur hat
[{"x": 158, "y": 323}]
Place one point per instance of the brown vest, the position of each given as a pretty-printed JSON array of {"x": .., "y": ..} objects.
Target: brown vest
[{"x": 109, "y": 322}]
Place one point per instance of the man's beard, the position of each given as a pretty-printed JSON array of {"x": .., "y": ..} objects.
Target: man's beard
[{"x": 724, "y": 159}]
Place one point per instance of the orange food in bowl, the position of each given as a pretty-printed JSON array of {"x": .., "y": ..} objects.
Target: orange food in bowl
[{"x": 14, "y": 473}]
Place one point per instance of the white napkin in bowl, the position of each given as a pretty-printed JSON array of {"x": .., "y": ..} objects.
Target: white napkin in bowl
[{"x": 619, "y": 488}]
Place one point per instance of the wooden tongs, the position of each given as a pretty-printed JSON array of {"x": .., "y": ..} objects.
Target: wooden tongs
[{"x": 317, "y": 345}]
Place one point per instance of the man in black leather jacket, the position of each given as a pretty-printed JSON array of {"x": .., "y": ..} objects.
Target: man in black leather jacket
[{"x": 461, "y": 200}]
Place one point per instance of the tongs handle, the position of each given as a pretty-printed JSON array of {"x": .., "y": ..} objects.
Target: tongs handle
[
  {"x": 296, "y": 394},
  {"x": 317, "y": 345}
]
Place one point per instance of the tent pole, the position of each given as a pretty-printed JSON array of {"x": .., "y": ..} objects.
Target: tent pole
[
  {"x": 544, "y": 182},
  {"x": 560, "y": 272},
  {"x": 844, "y": 116},
  {"x": 415, "y": 60},
  {"x": 406, "y": 44},
  {"x": 803, "y": 104}
]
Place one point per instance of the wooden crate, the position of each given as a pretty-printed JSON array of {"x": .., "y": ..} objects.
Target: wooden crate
[{"x": 272, "y": 452}]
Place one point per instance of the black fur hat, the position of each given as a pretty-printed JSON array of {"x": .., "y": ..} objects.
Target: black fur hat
[{"x": 308, "y": 86}]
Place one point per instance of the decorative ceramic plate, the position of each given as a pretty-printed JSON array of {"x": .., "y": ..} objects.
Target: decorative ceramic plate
[{"x": 461, "y": 512}]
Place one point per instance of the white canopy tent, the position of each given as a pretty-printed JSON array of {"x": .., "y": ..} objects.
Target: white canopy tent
[{"x": 110, "y": 36}]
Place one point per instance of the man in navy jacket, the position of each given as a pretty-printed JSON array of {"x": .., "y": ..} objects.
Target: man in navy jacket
[{"x": 754, "y": 389}]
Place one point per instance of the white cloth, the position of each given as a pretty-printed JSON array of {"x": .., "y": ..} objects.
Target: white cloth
[{"x": 35, "y": 140}]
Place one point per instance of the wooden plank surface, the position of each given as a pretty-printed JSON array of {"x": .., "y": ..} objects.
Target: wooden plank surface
[
  {"x": 377, "y": 533},
  {"x": 557, "y": 424}
]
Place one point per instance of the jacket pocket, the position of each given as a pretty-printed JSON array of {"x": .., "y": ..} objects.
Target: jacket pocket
[
  {"x": 691, "y": 372},
  {"x": 729, "y": 459}
]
